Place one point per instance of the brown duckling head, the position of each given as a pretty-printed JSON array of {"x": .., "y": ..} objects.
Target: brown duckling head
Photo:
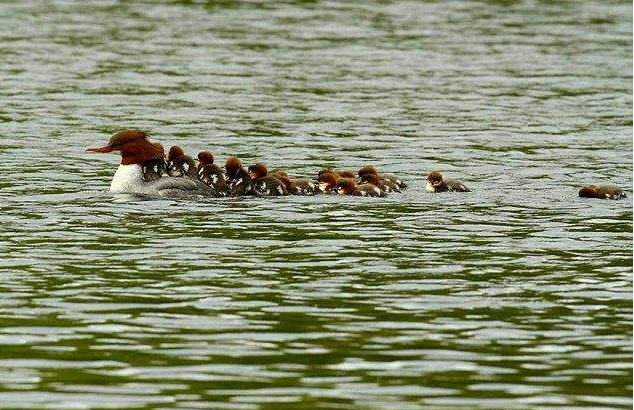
[
  {"x": 371, "y": 179},
  {"x": 367, "y": 170},
  {"x": 233, "y": 165},
  {"x": 285, "y": 180},
  {"x": 327, "y": 181},
  {"x": 258, "y": 170},
  {"x": 590, "y": 191},
  {"x": 205, "y": 158},
  {"x": 175, "y": 152},
  {"x": 346, "y": 186},
  {"x": 435, "y": 178}
]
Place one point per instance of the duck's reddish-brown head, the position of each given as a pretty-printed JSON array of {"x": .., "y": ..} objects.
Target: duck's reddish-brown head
[
  {"x": 371, "y": 179},
  {"x": 589, "y": 192},
  {"x": 205, "y": 158},
  {"x": 233, "y": 165},
  {"x": 434, "y": 178},
  {"x": 258, "y": 170},
  {"x": 346, "y": 186},
  {"x": 367, "y": 170},
  {"x": 175, "y": 152},
  {"x": 134, "y": 146}
]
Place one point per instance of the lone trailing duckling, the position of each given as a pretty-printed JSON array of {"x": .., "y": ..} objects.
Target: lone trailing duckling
[{"x": 602, "y": 192}]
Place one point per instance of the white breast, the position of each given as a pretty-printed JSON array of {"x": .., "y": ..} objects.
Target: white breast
[{"x": 127, "y": 179}]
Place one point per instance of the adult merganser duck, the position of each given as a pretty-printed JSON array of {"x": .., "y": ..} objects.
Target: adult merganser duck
[
  {"x": 327, "y": 182},
  {"x": 436, "y": 183},
  {"x": 347, "y": 186},
  {"x": 211, "y": 174},
  {"x": 602, "y": 192},
  {"x": 369, "y": 169},
  {"x": 155, "y": 168},
  {"x": 136, "y": 150},
  {"x": 239, "y": 179},
  {"x": 179, "y": 164},
  {"x": 264, "y": 184},
  {"x": 298, "y": 186}
]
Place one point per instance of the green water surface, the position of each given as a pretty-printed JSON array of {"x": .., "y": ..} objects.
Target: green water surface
[{"x": 514, "y": 296}]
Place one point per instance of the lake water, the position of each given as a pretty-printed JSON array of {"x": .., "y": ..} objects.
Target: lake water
[{"x": 517, "y": 295}]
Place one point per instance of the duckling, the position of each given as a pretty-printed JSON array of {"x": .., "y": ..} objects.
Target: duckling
[
  {"x": 602, "y": 192},
  {"x": 369, "y": 169},
  {"x": 305, "y": 186},
  {"x": 264, "y": 184},
  {"x": 436, "y": 183},
  {"x": 384, "y": 185},
  {"x": 211, "y": 174},
  {"x": 239, "y": 180},
  {"x": 179, "y": 164},
  {"x": 327, "y": 183},
  {"x": 347, "y": 186},
  {"x": 299, "y": 186},
  {"x": 154, "y": 168}
]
